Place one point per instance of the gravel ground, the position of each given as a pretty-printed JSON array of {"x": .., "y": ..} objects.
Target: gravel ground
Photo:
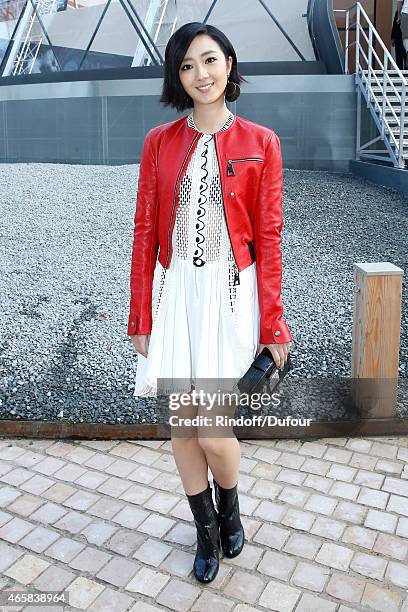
[{"x": 65, "y": 246}]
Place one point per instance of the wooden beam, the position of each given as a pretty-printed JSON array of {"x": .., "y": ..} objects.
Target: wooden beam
[
  {"x": 376, "y": 338},
  {"x": 161, "y": 431}
]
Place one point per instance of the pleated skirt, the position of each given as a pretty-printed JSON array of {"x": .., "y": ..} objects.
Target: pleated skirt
[{"x": 203, "y": 327}]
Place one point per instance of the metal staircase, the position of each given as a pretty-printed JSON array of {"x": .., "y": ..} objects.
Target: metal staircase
[
  {"x": 384, "y": 88},
  {"x": 29, "y": 37}
]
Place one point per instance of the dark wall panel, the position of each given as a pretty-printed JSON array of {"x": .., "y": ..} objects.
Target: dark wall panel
[{"x": 317, "y": 128}]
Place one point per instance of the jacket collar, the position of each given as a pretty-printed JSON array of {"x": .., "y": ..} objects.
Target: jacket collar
[{"x": 225, "y": 126}]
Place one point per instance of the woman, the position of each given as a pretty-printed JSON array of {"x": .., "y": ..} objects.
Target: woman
[
  {"x": 209, "y": 204},
  {"x": 402, "y": 21},
  {"x": 397, "y": 42}
]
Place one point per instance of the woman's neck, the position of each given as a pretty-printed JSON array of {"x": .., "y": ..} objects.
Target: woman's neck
[{"x": 209, "y": 119}]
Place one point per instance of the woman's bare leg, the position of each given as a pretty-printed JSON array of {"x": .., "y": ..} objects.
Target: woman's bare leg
[
  {"x": 191, "y": 464},
  {"x": 188, "y": 454},
  {"x": 223, "y": 456},
  {"x": 220, "y": 446}
]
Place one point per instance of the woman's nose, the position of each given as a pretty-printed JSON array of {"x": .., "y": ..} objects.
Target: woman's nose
[{"x": 202, "y": 72}]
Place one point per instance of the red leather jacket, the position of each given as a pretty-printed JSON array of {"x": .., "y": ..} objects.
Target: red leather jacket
[{"x": 250, "y": 162}]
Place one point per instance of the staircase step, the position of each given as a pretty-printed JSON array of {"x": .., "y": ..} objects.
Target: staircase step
[
  {"x": 404, "y": 145},
  {"x": 388, "y": 88},
  {"x": 390, "y": 92},
  {"x": 390, "y": 79},
  {"x": 392, "y": 121},
  {"x": 394, "y": 83},
  {"x": 390, "y": 117},
  {"x": 395, "y": 130},
  {"x": 391, "y": 99},
  {"x": 391, "y": 72}
]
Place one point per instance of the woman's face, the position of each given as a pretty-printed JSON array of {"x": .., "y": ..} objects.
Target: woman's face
[{"x": 204, "y": 70}]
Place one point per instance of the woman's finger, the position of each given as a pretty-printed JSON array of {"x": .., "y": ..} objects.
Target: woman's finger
[{"x": 277, "y": 354}]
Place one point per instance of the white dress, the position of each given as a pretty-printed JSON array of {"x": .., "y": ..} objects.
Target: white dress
[{"x": 205, "y": 325}]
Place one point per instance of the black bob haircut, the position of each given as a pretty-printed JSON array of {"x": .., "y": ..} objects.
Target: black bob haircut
[{"x": 173, "y": 93}]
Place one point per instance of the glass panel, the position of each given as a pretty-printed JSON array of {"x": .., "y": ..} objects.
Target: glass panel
[
  {"x": 73, "y": 29},
  {"x": 69, "y": 26},
  {"x": 255, "y": 35},
  {"x": 109, "y": 49},
  {"x": 111, "y": 30}
]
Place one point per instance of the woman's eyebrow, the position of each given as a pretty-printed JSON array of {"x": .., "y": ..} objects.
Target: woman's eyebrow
[{"x": 202, "y": 54}]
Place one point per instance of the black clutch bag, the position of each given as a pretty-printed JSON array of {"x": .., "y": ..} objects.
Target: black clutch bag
[{"x": 263, "y": 370}]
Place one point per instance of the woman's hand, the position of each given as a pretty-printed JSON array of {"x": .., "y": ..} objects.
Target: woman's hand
[
  {"x": 140, "y": 343},
  {"x": 279, "y": 352}
]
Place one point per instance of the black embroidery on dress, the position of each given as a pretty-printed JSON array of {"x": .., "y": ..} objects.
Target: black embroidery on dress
[
  {"x": 232, "y": 285},
  {"x": 204, "y": 191},
  {"x": 202, "y": 200},
  {"x": 159, "y": 292}
]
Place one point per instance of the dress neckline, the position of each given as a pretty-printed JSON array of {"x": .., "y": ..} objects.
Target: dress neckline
[{"x": 227, "y": 123}]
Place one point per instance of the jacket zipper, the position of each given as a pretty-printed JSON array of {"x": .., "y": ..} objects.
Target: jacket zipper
[
  {"x": 236, "y": 275},
  {"x": 174, "y": 197},
  {"x": 230, "y": 167}
]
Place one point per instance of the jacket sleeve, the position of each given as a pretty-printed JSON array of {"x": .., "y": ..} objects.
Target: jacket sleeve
[
  {"x": 145, "y": 243},
  {"x": 268, "y": 223}
]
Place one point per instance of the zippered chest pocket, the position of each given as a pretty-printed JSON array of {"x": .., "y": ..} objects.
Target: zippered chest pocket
[{"x": 231, "y": 163}]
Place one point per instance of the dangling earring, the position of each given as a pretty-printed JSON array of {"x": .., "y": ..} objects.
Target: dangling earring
[{"x": 232, "y": 91}]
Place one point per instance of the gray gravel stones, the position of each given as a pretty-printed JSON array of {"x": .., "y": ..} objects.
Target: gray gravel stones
[{"x": 65, "y": 247}]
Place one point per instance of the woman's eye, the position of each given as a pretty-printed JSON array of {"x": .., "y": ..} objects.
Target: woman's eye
[{"x": 187, "y": 66}]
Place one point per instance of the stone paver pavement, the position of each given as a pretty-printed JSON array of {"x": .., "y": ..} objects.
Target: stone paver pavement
[{"x": 326, "y": 524}]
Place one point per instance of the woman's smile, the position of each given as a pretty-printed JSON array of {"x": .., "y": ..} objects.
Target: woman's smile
[{"x": 204, "y": 88}]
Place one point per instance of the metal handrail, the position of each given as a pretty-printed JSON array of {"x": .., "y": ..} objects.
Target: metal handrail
[
  {"x": 366, "y": 77},
  {"x": 385, "y": 99}
]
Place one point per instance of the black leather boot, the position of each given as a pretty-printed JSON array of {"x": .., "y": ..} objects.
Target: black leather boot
[
  {"x": 231, "y": 529},
  {"x": 206, "y": 562}
]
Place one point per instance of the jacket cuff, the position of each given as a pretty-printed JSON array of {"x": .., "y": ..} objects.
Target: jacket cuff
[
  {"x": 277, "y": 333},
  {"x": 137, "y": 327}
]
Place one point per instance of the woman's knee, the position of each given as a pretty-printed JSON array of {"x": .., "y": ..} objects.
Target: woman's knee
[
  {"x": 216, "y": 446},
  {"x": 184, "y": 441}
]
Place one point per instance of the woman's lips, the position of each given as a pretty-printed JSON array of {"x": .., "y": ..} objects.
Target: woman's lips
[{"x": 206, "y": 89}]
